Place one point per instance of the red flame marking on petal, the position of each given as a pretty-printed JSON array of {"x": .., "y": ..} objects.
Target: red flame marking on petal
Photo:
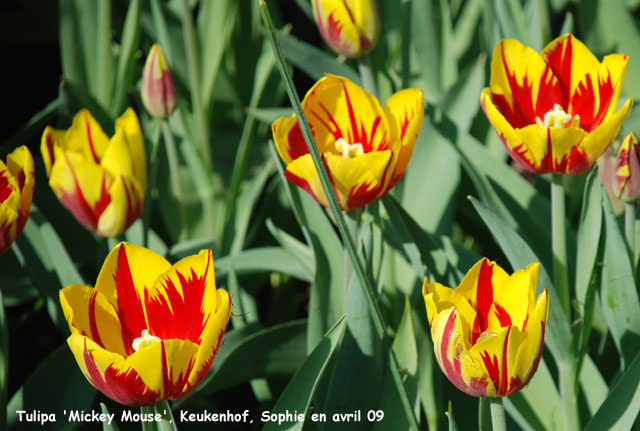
[{"x": 130, "y": 311}]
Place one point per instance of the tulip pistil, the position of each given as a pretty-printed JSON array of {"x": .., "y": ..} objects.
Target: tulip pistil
[
  {"x": 144, "y": 340},
  {"x": 558, "y": 118},
  {"x": 347, "y": 150}
]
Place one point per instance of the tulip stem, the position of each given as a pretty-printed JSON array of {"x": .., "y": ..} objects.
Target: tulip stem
[
  {"x": 559, "y": 243},
  {"x": 484, "y": 423},
  {"x": 174, "y": 174},
  {"x": 567, "y": 377},
  {"x": 194, "y": 80},
  {"x": 166, "y": 422},
  {"x": 497, "y": 414},
  {"x": 363, "y": 278},
  {"x": 153, "y": 174},
  {"x": 103, "y": 68},
  {"x": 630, "y": 226},
  {"x": 367, "y": 75}
]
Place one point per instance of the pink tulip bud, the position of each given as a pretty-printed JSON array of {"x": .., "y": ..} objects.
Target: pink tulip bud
[
  {"x": 627, "y": 176},
  {"x": 158, "y": 88}
]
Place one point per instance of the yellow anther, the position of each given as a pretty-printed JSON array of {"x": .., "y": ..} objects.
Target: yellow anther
[
  {"x": 349, "y": 150},
  {"x": 558, "y": 118},
  {"x": 144, "y": 340}
]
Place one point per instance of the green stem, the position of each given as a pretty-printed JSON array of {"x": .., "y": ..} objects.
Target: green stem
[
  {"x": 166, "y": 422},
  {"x": 497, "y": 414},
  {"x": 174, "y": 174},
  {"x": 567, "y": 376},
  {"x": 104, "y": 66},
  {"x": 194, "y": 79},
  {"x": 151, "y": 182},
  {"x": 364, "y": 280},
  {"x": 559, "y": 243},
  {"x": 484, "y": 423},
  {"x": 367, "y": 75},
  {"x": 630, "y": 226}
]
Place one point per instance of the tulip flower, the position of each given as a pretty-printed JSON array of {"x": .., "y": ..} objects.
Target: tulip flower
[
  {"x": 158, "y": 89},
  {"x": 365, "y": 149},
  {"x": 555, "y": 111},
  {"x": 17, "y": 179},
  {"x": 148, "y": 331},
  {"x": 100, "y": 180},
  {"x": 350, "y": 27},
  {"x": 488, "y": 334},
  {"x": 627, "y": 176}
]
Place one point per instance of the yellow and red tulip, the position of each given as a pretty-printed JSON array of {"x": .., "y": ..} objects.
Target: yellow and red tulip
[
  {"x": 17, "y": 180},
  {"x": 488, "y": 334},
  {"x": 158, "y": 90},
  {"x": 350, "y": 27},
  {"x": 627, "y": 176},
  {"x": 148, "y": 331},
  {"x": 555, "y": 111},
  {"x": 100, "y": 180},
  {"x": 365, "y": 149}
]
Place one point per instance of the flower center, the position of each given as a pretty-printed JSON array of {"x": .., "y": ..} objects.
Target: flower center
[
  {"x": 349, "y": 150},
  {"x": 144, "y": 340},
  {"x": 558, "y": 118}
]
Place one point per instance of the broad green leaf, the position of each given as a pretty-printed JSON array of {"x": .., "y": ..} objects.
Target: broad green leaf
[
  {"x": 512, "y": 21},
  {"x": 216, "y": 20},
  {"x": 567, "y": 24},
  {"x": 620, "y": 410},
  {"x": 269, "y": 115},
  {"x": 536, "y": 14},
  {"x": 452, "y": 422},
  {"x": 448, "y": 64},
  {"x": 262, "y": 259},
  {"x": 298, "y": 249},
  {"x": 59, "y": 370},
  {"x": 464, "y": 30},
  {"x": 300, "y": 390},
  {"x": 74, "y": 64},
  {"x": 426, "y": 49},
  {"x": 313, "y": 61},
  {"x": 520, "y": 255},
  {"x": 618, "y": 293},
  {"x": 431, "y": 156},
  {"x": 593, "y": 385},
  {"x": 279, "y": 350},
  {"x": 106, "y": 426}
]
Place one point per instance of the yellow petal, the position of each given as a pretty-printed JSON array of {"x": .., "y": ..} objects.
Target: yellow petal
[
  {"x": 288, "y": 138},
  {"x": 439, "y": 298},
  {"x": 338, "y": 108},
  {"x": 598, "y": 140},
  {"x": 20, "y": 164},
  {"x": 126, "y": 205},
  {"x": 50, "y": 138},
  {"x": 555, "y": 149},
  {"x": 532, "y": 344},
  {"x": 130, "y": 125},
  {"x": 86, "y": 137},
  {"x": 515, "y": 298},
  {"x": 497, "y": 353}
]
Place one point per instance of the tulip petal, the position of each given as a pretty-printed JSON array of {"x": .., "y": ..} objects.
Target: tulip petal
[
  {"x": 125, "y": 206},
  {"x": 110, "y": 373},
  {"x": 211, "y": 337},
  {"x": 522, "y": 86},
  {"x": 50, "y": 138},
  {"x": 183, "y": 299},
  {"x": 82, "y": 187},
  {"x": 20, "y": 164},
  {"x": 497, "y": 352},
  {"x": 532, "y": 344},
  {"x": 513, "y": 299},
  {"x": 288, "y": 138},
  {"x": 86, "y": 137},
  {"x": 337, "y": 27},
  {"x": 128, "y": 123},
  {"x": 89, "y": 313},
  {"x": 405, "y": 111},
  {"x": 127, "y": 273},
  {"x": 331, "y": 105},
  {"x": 356, "y": 181},
  {"x": 439, "y": 298}
]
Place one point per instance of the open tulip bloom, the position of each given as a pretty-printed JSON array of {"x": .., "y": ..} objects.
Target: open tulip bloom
[
  {"x": 555, "y": 111},
  {"x": 365, "y": 149},
  {"x": 100, "y": 180},
  {"x": 148, "y": 331},
  {"x": 17, "y": 180},
  {"x": 488, "y": 334}
]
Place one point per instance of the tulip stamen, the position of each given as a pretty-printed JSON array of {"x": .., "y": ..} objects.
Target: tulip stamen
[
  {"x": 347, "y": 150},
  {"x": 145, "y": 340},
  {"x": 558, "y": 118}
]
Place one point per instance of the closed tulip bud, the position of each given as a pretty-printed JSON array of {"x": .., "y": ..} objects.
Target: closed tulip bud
[
  {"x": 488, "y": 334},
  {"x": 158, "y": 88},
  {"x": 350, "y": 27},
  {"x": 627, "y": 176}
]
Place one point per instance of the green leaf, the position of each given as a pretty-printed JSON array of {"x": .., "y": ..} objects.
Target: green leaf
[
  {"x": 452, "y": 422},
  {"x": 106, "y": 426},
  {"x": 426, "y": 51},
  {"x": 72, "y": 391},
  {"x": 300, "y": 390},
  {"x": 298, "y": 249},
  {"x": 313, "y": 61},
  {"x": 448, "y": 64},
  {"x": 279, "y": 350},
  {"x": 262, "y": 259},
  {"x": 512, "y": 21},
  {"x": 269, "y": 115},
  {"x": 620, "y": 410},
  {"x": 593, "y": 385},
  {"x": 129, "y": 44},
  {"x": 618, "y": 293},
  {"x": 464, "y": 30},
  {"x": 520, "y": 255}
]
